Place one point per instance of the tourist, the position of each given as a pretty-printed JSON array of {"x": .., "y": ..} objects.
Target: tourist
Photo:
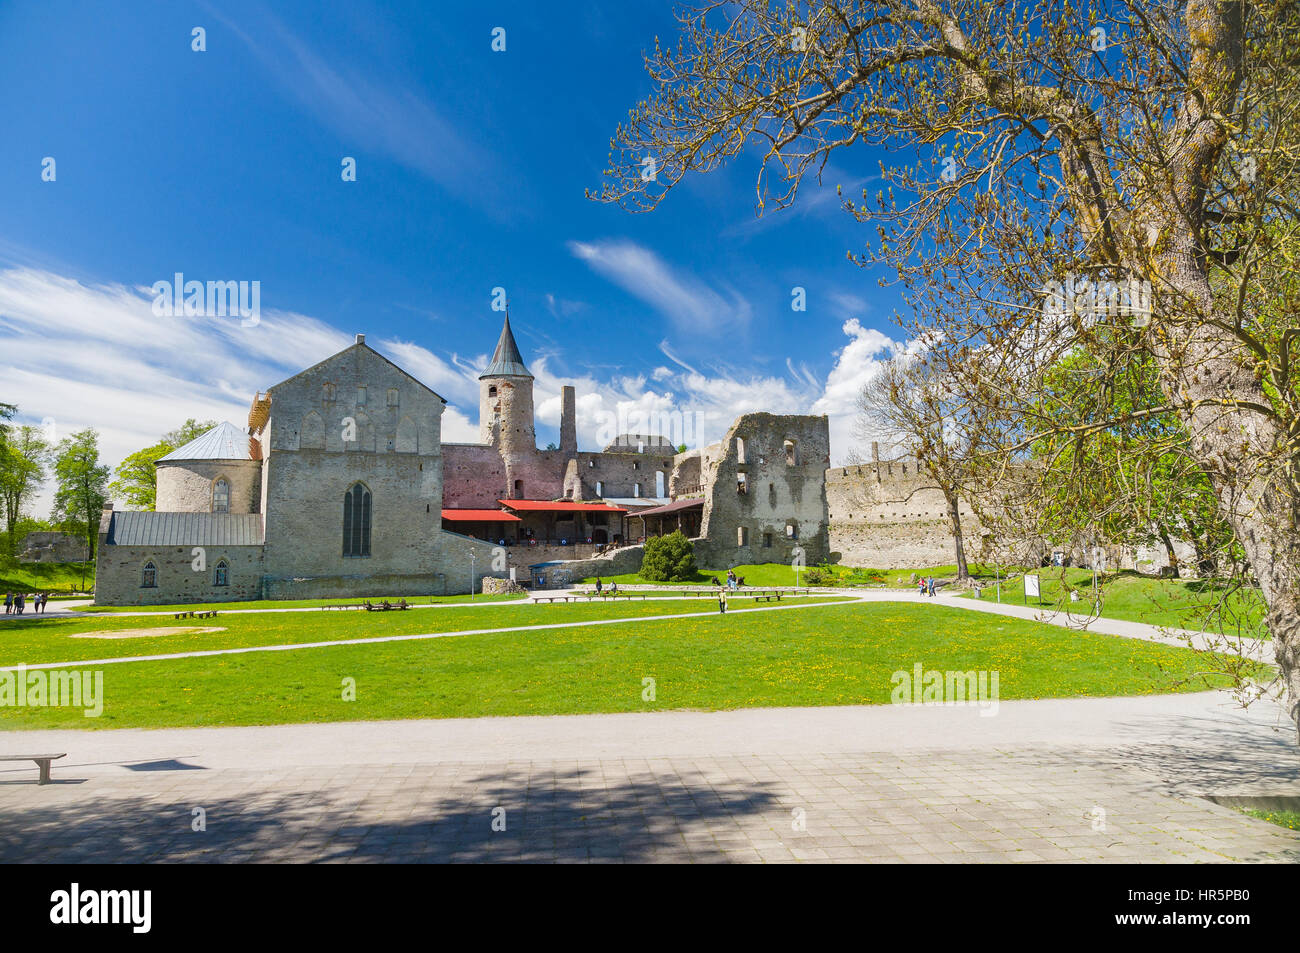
[
  {"x": 613, "y": 588},
  {"x": 716, "y": 584},
  {"x": 930, "y": 584},
  {"x": 598, "y": 585},
  {"x": 920, "y": 587},
  {"x": 18, "y": 604},
  {"x": 722, "y": 600},
  {"x": 45, "y": 601},
  {"x": 9, "y": 601}
]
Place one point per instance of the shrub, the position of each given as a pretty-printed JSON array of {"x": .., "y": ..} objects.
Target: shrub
[{"x": 668, "y": 558}]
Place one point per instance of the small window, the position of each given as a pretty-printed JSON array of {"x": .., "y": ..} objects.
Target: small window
[
  {"x": 791, "y": 454},
  {"x": 392, "y": 397},
  {"x": 492, "y": 390},
  {"x": 740, "y": 450},
  {"x": 327, "y": 391},
  {"x": 636, "y": 464},
  {"x": 519, "y": 489},
  {"x": 592, "y": 463},
  {"x": 600, "y": 488},
  {"x": 791, "y": 531},
  {"x": 222, "y": 575},
  {"x": 742, "y": 483},
  {"x": 149, "y": 576},
  {"x": 742, "y": 535},
  {"x": 636, "y": 489},
  {"x": 361, "y": 395},
  {"x": 221, "y": 496},
  {"x": 767, "y": 540}
]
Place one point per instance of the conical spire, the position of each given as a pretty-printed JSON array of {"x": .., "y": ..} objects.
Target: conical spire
[{"x": 507, "y": 361}]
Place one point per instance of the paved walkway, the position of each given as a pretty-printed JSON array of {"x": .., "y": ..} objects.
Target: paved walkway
[{"x": 1069, "y": 780}]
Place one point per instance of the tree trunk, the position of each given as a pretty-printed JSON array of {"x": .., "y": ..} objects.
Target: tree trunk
[
  {"x": 1170, "y": 554},
  {"x": 954, "y": 516}
]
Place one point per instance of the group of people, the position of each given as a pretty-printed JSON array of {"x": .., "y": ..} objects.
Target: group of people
[
  {"x": 925, "y": 587},
  {"x": 733, "y": 581},
  {"x": 15, "y": 604}
]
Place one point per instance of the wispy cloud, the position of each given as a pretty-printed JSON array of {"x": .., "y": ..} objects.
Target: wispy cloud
[
  {"x": 378, "y": 113},
  {"x": 682, "y": 298}
]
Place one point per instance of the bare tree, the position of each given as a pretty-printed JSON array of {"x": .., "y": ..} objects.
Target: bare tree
[
  {"x": 910, "y": 408},
  {"x": 1116, "y": 175}
]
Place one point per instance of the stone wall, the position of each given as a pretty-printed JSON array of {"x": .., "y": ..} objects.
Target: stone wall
[
  {"x": 186, "y": 486},
  {"x": 621, "y": 561},
  {"x": 765, "y": 491},
  {"x": 119, "y": 574},
  {"x": 53, "y": 548}
]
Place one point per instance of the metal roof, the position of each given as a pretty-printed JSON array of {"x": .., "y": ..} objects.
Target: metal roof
[
  {"x": 479, "y": 516},
  {"x": 558, "y": 506},
  {"x": 130, "y": 528},
  {"x": 631, "y": 501},
  {"x": 225, "y": 441},
  {"x": 675, "y": 507},
  {"x": 506, "y": 361}
]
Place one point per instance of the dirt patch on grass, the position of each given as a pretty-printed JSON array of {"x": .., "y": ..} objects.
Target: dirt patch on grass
[{"x": 147, "y": 633}]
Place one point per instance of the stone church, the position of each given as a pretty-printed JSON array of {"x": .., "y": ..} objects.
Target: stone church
[{"x": 340, "y": 486}]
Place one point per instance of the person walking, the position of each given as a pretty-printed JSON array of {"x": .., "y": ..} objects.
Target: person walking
[
  {"x": 45, "y": 601},
  {"x": 598, "y": 585},
  {"x": 930, "y": 585},
  {"x": 722, "y": 601},
  {"x": 9, "y": 603},
  {"x": 18, "y": 604}
]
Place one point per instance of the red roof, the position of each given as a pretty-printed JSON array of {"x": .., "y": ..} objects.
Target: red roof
[
  {"x": 562, "y": 506},
  {"x": 479, "y": 516}
]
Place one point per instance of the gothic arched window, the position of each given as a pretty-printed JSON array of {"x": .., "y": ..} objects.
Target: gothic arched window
[
  {"x": 356, "y": 521},
  {"x": 222, "y": 575},
  {"x": 221, "y": 496},
  {"x": 149, "y": 576}
]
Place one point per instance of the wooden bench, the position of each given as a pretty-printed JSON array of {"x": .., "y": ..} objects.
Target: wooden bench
[
  {"x": 767, "y": 597},
  {"x": 385, "y": 606},
  {"x": 42, "y": 761},
  {"x": 195, "y": 615}
]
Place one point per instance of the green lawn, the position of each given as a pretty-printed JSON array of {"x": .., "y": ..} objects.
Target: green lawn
[
  {"x": 1289, "y": 819},
  {"x": 826, "y": 654},
  {"x": 33, "y": 639},
  {"x": 1194, "y": 604},
  {"x": 305, "y": 603},
  {"x": 16, "y": 576}
]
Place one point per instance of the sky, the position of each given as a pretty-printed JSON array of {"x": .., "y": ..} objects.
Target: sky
[{"x": 226, "y": 164}]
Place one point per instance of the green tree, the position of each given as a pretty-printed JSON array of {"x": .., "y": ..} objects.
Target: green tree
[
  {"x": 668, "y": 558},
  {"x": 23, "y": 458},
  {"x": 137, "y": 476},
  {"x": 81, "y": 485}
]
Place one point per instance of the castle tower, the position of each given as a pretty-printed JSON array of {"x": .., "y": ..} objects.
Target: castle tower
[
  {"x": 568, "y": 421},
  {"x": 505, "y": 411}
]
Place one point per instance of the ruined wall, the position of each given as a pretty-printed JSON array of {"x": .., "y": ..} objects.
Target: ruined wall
[
  {"x": 766, "y": 491},
  {"x": 53, "y": 548}
]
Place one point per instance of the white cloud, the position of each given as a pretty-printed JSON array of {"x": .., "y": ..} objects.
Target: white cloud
[
  {"x": 682, "y": 298},
  {"x": 89, "y": 355}
]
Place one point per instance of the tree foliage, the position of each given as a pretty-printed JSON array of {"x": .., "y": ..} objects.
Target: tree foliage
[
  {"x": 668, "y": 558},
  {"x": 137, "y": 480},
  {"x": 1117, "y": 177},
  {"x": 81, "y": 485}
]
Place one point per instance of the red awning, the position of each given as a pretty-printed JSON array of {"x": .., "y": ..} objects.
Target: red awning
[
  {"x": 562, "y": 506},
  {"x": 480, "y": 516}
]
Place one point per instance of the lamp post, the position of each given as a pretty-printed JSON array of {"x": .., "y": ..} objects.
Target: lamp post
[{"x": 471, "y": 575}]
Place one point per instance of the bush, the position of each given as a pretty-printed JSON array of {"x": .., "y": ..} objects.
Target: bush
[{"x": 668, "y": 558}]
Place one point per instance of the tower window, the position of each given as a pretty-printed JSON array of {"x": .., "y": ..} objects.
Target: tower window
[
  {"x": 356, "y": 521},
  {"x": 492, "y": 390}
]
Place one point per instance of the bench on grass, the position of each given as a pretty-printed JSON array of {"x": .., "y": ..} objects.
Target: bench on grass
[
  {"x": 385, "y": 606},
  {"x": 42, "y": 761},
  {"x": 347, "y": 605},
  {"x": 767, "y": 596},
  {"x": 195, "y": 615}
]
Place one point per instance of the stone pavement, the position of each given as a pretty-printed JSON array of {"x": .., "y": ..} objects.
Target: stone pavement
[{"x": 1111, "y": 780}]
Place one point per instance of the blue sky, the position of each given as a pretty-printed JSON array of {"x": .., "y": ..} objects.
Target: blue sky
[{"x": 471, "y": 166}]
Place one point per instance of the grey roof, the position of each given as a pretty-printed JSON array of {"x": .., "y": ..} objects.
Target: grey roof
[
  {"x": 225, "y": 441},
  {"x": 506, "y": 361},
  {"x": 630, "y": 442},
  {"x": 626, "y": 501},
  {"x": 185, "y": 529}
]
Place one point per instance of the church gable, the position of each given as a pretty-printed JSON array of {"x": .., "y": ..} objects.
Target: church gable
[{"x": 358, "y": 401}]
